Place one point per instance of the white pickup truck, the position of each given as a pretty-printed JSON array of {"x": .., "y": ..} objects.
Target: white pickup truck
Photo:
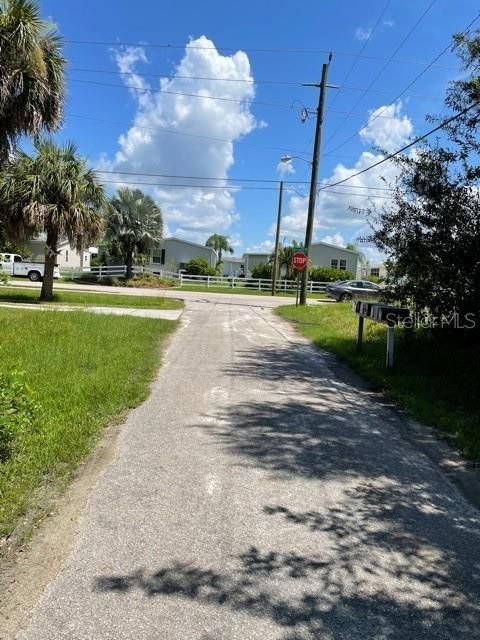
[{"x": 14, "y": 265}]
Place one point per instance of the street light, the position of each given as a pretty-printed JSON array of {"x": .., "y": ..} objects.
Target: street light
[{"x": 287, "y": 158}]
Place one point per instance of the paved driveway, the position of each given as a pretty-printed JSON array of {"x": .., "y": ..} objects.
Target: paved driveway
[{"x": 262, "y": 494}]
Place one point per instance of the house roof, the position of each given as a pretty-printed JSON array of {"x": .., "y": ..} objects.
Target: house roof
[
  {"x": 334, "y": 246},
  {"x": 42, "y": 237},
  {"x": 189, "y": 242}
]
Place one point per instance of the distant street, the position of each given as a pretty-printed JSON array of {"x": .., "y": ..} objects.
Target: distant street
[{"x": 262, "y": 493}]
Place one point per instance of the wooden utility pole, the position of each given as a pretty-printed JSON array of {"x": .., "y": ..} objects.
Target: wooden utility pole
[
  {"x": 313, "y": 182},
  {"x": 277, "y": 238}
]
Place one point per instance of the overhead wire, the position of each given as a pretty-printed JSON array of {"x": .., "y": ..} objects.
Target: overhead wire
[
  {"x": 399, "y": 95},
  {"x": 249, "y": 50},
  {"x": 357, "y": 58},
  {"x": 405, "y": 147},
  {"x": 387, "y": 63}
]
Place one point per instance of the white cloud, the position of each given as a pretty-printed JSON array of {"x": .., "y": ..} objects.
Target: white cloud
[
  {"x": 387, "y": 128},
  {"x": 285, "y": 168},
  {"x": 263, "y": 247},
  {"x": 337, "y": 239},
  {"x": 362, "y": 34},
  {"x": 388, "y": 24},
  {"x": 337, "y": 208},
  {"x": 190, "y": 212}
]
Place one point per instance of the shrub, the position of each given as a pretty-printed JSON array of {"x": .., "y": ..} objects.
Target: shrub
[
  {"x": 262, "y": 270},
  {"x": 328, "y": 274},
  {"x": 18, "y": 413},
  {"x": 4, "y": 278},
  {"x": 199, "y": 266},
  {"x": 149, "y": 281}
]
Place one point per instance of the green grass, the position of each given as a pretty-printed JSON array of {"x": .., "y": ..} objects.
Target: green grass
[
  {"x": 84, "y": 371},
  {"x": 438, "y": 382},
  {"x": 31, "y": 296}
]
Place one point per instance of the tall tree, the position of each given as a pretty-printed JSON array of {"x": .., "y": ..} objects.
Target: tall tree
[
  {"x": 431, "y": 233},
  {"x": 221, "y": 244},
  {"x": 32, "y": 74},
  {"x": 53, "y": 192},
  {"x": 135, "y": 224},
  {"x": 285, "y": 260}
]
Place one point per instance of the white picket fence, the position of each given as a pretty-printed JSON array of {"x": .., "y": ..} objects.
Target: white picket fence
[{"x": 186, "y": 280}]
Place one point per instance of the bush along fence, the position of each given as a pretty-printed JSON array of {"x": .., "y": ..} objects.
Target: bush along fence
[{"x": 184, "y": 280}]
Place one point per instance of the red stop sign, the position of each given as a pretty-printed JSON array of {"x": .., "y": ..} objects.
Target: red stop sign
[{"x": 299, "y": 260}]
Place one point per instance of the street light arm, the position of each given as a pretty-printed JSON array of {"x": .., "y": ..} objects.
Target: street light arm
[{"x": 287, "y": 158}]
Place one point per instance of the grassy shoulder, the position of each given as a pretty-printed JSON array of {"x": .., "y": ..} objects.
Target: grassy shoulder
[
  {"x": 77, "y": 373},
  {"x": 436, "y": 381},
  {"x": 87, "y": 298}
]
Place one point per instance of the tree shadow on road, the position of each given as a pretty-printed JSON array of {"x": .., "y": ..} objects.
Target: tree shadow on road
[{"x": 398, "y": 550}]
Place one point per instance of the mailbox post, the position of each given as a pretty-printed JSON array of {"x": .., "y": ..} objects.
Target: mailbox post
[{"x": 391, "y": 316}]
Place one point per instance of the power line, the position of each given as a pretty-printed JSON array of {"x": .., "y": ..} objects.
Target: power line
[
  {"x": 232, "y": 187},
  {"x": 159, "y": 129},
  {"x": 397, "y": 49},
  {"x": 398, "y": 96},
  {"x": 178, "y": 93},
  {"x": 407, "y": 146},
  {"x": 164, "y": 130},
  {"x": 251, "y": 50},
  {"x": 357, "y": 58},
  {"x": 259, "y": 180},
  {"x": 254, "y": 81}
]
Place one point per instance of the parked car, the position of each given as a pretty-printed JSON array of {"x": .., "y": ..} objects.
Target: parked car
[
  {"x": 349, "y": 289},
  {"x": 14, "y": 265}
]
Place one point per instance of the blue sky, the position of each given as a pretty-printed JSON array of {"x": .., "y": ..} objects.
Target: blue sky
[{"x": 244, "y": 135}]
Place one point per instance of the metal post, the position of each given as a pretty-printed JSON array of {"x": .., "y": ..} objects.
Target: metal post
[
  {"x": 360, "y": 332},
  {"x": 390, "y": 339},
  {"x": 277, "y": 239},
  {"x": 313, "y": 181}
]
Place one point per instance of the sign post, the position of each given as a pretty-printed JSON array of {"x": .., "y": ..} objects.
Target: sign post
[{"x": 299, "y": 263}]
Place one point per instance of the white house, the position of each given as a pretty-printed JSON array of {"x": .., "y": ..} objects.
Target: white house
[
  {"x": 67, "y": 256},
  {"x": 174, "y": 253},
  {"x": 233, "y": 267},
  {"x": 322, "y": 254},
  {"x": 377, "y": 270}
]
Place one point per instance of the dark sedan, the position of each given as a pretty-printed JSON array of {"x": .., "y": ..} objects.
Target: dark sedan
[{"x": 349, "y": 289}]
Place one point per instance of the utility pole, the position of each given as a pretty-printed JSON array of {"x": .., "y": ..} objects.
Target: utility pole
[
  {"x": 277, "y": 238},
  {"x": 313, "y": 182}
]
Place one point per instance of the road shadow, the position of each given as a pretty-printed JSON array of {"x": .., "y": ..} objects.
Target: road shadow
[{"x": 396, "y": 553}]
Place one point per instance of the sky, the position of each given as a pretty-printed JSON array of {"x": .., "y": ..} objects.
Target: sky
[{"x": 196, "y": 102}]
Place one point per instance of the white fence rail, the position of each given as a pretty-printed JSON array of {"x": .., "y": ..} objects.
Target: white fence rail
[{"x": 186, "y": 280}]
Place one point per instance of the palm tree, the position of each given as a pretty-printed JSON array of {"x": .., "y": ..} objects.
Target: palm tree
[
  {"x": 32, "y": 74},
  {"x": 135, "y": 224},
  {"x": 219, "y": 244},
  {"x": 52, "y": 192},
  {"x": 285, "y": 260}
]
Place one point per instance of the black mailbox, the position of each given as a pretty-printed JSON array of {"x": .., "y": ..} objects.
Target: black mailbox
[
  {"x": 362, "y": 308},
  {"x": 390, "y": 315}
]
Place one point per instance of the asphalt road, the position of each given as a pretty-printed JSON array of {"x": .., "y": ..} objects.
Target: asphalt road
[{"x": 260, "y": 493}]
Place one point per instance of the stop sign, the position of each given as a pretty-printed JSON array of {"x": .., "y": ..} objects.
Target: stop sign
[{"x": 299, "y": 261}]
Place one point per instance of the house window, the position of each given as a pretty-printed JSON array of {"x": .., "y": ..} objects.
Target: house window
[
  {"x": 343, "y": 265},
  {"x": 86, "y": 257},
  {"x": 375, "y": 272},
  {"x": 66, "y": 255},
  {"x": 334, "y": 263},
  {"x": 156, "y": 260}
]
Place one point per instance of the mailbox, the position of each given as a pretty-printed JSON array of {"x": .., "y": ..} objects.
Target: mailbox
[
  {"x": 363, "y": 308},
  {"x": 387, "y": 314}
]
